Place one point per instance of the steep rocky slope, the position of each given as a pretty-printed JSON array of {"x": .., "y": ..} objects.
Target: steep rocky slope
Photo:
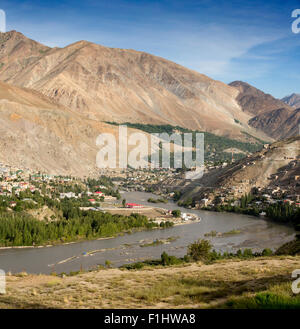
[
  {"x": 255, "y": 101},
  {"x": 38, "y": 134},
  {"x": 17, "y": 53},
  {"x": 281, "y": 123},
  {"x": 276, "y": 166},
  {"x": 270, "y": 115},
  {"x": 292, "y": 100},
  {"x": 110, "y": 84}
]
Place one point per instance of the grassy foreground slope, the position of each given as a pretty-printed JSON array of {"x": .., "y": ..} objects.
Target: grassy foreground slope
[{"x": 263, "y": 282}]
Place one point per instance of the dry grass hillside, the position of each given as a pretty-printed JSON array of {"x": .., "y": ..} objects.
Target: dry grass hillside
[{"x": 244, "y": 283}]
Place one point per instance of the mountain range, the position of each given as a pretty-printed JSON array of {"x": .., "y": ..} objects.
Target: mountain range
[
  {"x": 108, "y": 84},
  {"x": 55, "y": 101}
]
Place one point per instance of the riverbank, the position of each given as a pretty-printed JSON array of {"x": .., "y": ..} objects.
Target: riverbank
[
  {"x": 156, "y": 215},
  {"x": 256, "y": 234},
  {"x": 178, "y": 223},
  {"x": 57, "y": 244},
  {"x": 223, "y": 284},
  {"x": 282, "y": 213}
]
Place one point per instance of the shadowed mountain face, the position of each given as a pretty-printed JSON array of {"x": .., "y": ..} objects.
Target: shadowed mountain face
[
  {"x": 107, "y": 84},
  {"x": 281, "y": 123},
  {"x": 292, "y": 100},
  {"x": 272, "y": 116},
  {"x": 254, "y": 101}
]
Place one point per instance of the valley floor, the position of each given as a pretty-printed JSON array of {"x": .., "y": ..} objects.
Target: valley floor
[{"x": 255, "y": 283}]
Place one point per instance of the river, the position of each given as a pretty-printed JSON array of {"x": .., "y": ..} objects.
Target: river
[{"x": 256, "y": 233}]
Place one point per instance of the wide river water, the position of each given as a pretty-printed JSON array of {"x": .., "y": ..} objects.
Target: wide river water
[{"x": 256, "y": 233}]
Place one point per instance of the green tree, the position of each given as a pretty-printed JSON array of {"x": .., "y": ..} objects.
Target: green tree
[
  {"x": 199, "y": 250},
  {"x": 176, "y": 213}
]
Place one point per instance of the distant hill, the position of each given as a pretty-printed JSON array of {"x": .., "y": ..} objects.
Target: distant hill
[
  {"x": 281, "y": 123},
  {"x": 270, "y": 115},
  {"x": 276, "y": 166},
  {"x": 255, "y": 101},
  {"x": 292, "y": 100}
]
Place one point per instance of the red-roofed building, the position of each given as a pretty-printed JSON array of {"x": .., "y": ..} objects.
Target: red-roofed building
[{"x": 133, "y": 205}]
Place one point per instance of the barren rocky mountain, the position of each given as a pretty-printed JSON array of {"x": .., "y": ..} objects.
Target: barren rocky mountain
[
  {"x": 17, "y": 52},
  {"x": 292, "y": 100},
  {"x": 276, "y": 166},
  {"x": 281, "y": 123},
  {"x": 109, "y": 84},
  {"x": 254, "y": 101},
  {"x": 38, "y": 134},
  {"x": 292, "y": 125},
  {"x": 54, "y": 102},
  {"x": 41, "y": 135},
  {"x": 272, "y": 116}
]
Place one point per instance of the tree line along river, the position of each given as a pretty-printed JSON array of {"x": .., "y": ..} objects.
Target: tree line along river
[{"x": 255, "y": 233}]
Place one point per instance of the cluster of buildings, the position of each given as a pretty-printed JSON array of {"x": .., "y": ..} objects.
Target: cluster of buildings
[
  {"x": 14, "y": 180},
  {"x": 141, "y": 180},
  {"x": 263, "y": 196}
]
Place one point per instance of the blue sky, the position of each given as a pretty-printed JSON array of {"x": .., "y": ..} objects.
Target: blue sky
[{"x": 226, "y": 40}]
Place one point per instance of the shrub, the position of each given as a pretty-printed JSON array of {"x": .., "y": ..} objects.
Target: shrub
[
  {"x": 290, "y": 248},
  {"x": 166, "y": 224},
  {"x": 167, "y": 260},
  {"x": 247, "y": 253},
  {"x": 176, "y": 213},
  {"x": 200, "y": 250},
  {"x": 135, "y": 266},
  {"x": 267, "y": 252},
  {"x": 108, "y": 263},
  {"x": 239, "y": 253}
]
